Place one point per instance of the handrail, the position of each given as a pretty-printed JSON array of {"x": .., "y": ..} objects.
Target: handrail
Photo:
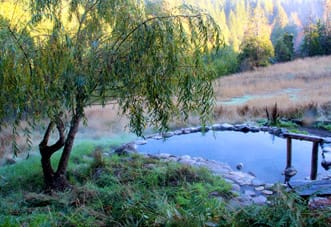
[{"x": 316, "y": 140}]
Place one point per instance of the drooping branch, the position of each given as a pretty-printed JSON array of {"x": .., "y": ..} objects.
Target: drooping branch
[
  {"x": 119, "y": 42},
  {"x": 26, "y": 56}
]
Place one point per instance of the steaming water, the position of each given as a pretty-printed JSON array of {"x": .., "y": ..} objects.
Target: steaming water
[{"x": 261, "y": 153}]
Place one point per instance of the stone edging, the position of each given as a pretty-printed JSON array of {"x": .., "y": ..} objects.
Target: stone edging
[{"x": 249, "y": 189}]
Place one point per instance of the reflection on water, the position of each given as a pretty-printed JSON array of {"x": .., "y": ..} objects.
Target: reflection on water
[{"x": 261, "y": 153}]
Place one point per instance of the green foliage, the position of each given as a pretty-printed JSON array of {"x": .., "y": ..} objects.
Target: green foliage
[
  {"x": 255, "y": 52},
  {"x": 73, "y": 54},
  {"x": 93, "y": 55},
  {"x": 326, "y": 126},
  {"x": 284, "y": 49},
  {"x": 129, "y": 190},
  {"x": 140, "y": 191},
  {"x": 225, "y": 61},
  {"x": 317, "y": 40}
]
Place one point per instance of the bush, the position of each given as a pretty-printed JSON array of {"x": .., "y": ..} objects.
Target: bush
[
  {"x": 225, "y": 61},
  {"x": 255, "y": 52}
]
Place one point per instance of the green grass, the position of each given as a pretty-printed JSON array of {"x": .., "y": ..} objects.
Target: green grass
[
  {"x": 136, "y": 191},
  {"x": 326, "y": 126}
]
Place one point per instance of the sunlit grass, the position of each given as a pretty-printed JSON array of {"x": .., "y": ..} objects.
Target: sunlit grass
[{"x": 309, "y": 78}]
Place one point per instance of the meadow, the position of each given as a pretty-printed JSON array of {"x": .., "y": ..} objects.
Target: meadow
[{"x": 298, "y": 87}]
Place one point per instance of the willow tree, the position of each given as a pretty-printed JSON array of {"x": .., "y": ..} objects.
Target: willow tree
[{"x": 98, "y": 51}]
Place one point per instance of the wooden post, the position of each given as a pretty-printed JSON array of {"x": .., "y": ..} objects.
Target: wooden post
[
  {"x": 289, "y": 153},
  {"x": 314, "y": 161}
]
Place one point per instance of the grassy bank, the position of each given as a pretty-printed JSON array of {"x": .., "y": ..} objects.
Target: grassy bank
[{"x": 137, "y": 191}]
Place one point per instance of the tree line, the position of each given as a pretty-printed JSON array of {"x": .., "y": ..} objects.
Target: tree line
[{"x": 259, "y": 32}]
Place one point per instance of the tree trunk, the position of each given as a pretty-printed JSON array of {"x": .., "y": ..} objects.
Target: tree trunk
[
  {"x": 47, "y": 151},
  {"x": 57, "y": 180},
  {"x": 68, "y": 146}
]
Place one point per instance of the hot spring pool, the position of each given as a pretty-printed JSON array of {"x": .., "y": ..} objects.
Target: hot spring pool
[{"x": 261, "y": 153}]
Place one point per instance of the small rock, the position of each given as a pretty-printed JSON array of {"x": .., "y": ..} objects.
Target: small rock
[
  {"x": 196, "y": 129},
  {"x": 158, "y": 137},
  {"x": 244, "y": 129},
  {"x": 172, "y": 159},
  {"x": 239, "y": 166},
  {"x": 319, "y": 202},
  {"x": 168, "y": 134},
  {"x": 229, "y": 181},
  {"x": 211, "y": 224},
  {"x": 227, "y": 126},
  {"x": 245, "y": 198},
  {"x": 254, "y": 129},
  {"x": 249, "y": 193},
  {"x": 126, "y": 149},
  {"x": 326, "y": 164},
  {"x": 178, "y": 132},
  {"x": 198, "y": 159},
  {"x": 186, "y": 161},
  {"x": 235, "y": 187},
  {"x": 269, "y": 186},
  {"x": 216, "y": 127},
  {"x": 185, "y": 157},
  {"x": 264, "y": 129},
  {"x": 141, "y": 142},
  {"x": 260, "y": 200},
  {"x": 186, "y": 130},
  {"x": 10, "y": 161},
  {"x": 267, "y": 192},
  {"x": 259, "y": 188},
  {"x": 257, "y": 182},
  {"x": 164, "y": 155}
]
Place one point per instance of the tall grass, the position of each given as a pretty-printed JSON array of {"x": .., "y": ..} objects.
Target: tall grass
[{"x": 310, "y": 78}]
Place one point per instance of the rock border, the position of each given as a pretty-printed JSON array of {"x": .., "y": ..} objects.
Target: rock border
[{"x": 249, "y": 189}]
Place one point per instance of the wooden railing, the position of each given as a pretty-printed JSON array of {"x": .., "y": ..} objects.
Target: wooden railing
[{"x": 314, "y": 155}]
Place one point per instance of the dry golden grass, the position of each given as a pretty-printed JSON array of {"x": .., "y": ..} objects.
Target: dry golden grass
[
  {"x": 308, "y": 80},
  {"x": 103, "y": 122}
]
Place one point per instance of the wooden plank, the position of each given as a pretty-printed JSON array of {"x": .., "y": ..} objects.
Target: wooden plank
[
  {"x": 289, "y": 153},
  {"x": 314, "y": 161},
  {"x": 317, "y": 187},
  {"x": 303, "y": 137}
]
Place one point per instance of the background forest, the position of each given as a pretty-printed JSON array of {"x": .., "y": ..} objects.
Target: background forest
[
  {"x": 259, "y": 32},
  {"x": 255, "y": 32}
]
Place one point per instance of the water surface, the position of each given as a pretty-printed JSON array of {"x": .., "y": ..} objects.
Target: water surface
[{"x": 261, "y": 153}]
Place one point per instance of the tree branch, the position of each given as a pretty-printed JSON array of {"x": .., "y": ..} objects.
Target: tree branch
[
  {"x": 119, "y": 42},
  {"x": 22, "y": 48},
  {"x": 46, "y": 150}
]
